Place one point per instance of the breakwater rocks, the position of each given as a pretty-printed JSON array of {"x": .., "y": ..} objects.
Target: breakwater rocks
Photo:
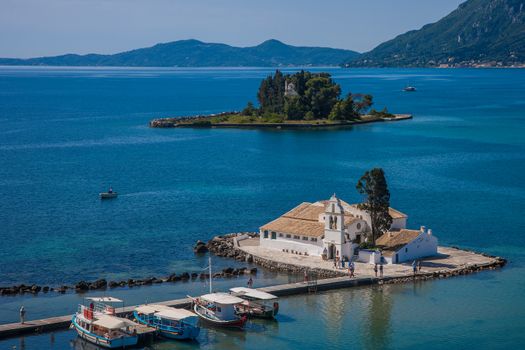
[
  {"x": 497, "y": 263},
  {"x": 102, "y": 284},
  {"x": 195, "y": 120},
  {"x": 227, "y": 246}
]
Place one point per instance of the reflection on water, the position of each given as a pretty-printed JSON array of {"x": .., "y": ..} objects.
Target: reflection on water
[{"x": 376, "y": 325}]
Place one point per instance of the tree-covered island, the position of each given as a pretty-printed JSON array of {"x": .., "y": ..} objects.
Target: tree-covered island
[{"x": 302, "y": 99}]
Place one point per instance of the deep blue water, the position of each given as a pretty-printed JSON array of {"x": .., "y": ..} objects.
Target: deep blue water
[{"x": 457, "y": 167}]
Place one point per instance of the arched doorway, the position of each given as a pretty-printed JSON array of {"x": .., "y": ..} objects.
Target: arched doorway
[{"x": 331, "y": 251}]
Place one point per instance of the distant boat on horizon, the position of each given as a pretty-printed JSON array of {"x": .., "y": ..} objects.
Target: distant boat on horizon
[{"x": 409, "y": 88}]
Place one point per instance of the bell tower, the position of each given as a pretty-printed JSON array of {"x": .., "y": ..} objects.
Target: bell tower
[{"x": 334, "y": 227}]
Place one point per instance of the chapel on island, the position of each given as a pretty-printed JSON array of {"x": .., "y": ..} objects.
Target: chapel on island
[{"x": 333, "y": 228}]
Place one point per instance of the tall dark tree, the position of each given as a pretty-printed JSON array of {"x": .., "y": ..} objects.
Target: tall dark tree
[{"x": 377, "y": 200}]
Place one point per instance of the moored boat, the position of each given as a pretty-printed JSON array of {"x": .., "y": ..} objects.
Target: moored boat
[
  {"x": 218, "y": 309},
  {"x": 170, "y": 322},
  {"x": 98, "y": 324},
  {"x": 256, "y": 303}
]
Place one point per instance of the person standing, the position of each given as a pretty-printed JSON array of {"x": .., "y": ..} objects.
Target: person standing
[
  {"x": 305, "y": 276},
  {"x": 414, "y": 267},
  {"x": 381, "y": 270},
  {"x": 22, "y": 315},
  {"x": 375, "y": 269},
  {"x": 250, "y": 282},
  {"x": 419, "y": 266},
  {"x": 352, "y": 269}
]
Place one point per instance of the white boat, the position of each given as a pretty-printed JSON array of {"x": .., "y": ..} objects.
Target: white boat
[
  {"x": 409, "y": 88},
  {"x": 98, "y": 324},
  {"x": 256, "y": 303},
  {"x": 170, "y": 322},
  {"x": 218, "y": 309}
]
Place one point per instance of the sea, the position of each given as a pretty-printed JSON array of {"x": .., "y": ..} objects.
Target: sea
[{"x": 457, "y": 167}]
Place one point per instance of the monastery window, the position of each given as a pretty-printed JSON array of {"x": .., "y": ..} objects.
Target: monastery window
[
  {"x": 296, "y": 237},
  {"x": 288, "y": 236},
  {"x": 313, "y": 239},
  {"x": 305, "y": 238},
  {"x": 265, "y": 234},
  {"x": 358, "y": 225},
  {"x": 281, "y": 235},
  {"x": 406, "y": 250},
  {"x": 274, "y": 235}
]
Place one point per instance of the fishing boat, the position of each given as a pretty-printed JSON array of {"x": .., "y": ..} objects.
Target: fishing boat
[
  {"x": 98, "y": 324},
  {"x": 170, "y": 322},
  {"x": 109, "y": 194},
  {"x": 218, "y": 309},
  {"x": 256, "y": 303},
  {"x": 409, "y": 88}
]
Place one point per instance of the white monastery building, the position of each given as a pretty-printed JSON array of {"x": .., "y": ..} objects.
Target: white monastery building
[{"x": 333, "y": 228}]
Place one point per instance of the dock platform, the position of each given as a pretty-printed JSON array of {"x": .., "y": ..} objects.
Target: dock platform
[{"x": 452, "y": 263}]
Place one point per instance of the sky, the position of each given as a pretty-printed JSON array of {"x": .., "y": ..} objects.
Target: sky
[{"x": 31, "y": 28}]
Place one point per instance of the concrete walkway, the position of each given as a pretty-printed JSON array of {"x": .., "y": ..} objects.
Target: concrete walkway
[{"x": 447, "y": 260}]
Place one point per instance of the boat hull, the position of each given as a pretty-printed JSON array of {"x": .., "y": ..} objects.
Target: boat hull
[
  {"x": 106, "y": 195},
  {"x": 115, "y": 343},
  {"x": 186, "y": 332},
  {"x": 234, "y": 323}
]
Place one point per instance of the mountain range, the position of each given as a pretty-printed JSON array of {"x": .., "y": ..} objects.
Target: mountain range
[
  {"x": 194, "y": 53},
  {"x": 477, "y": 33}
]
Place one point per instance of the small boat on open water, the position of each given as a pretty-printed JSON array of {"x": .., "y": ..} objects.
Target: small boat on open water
[
  {"x": 409, "y": 88},
  {"x": 256, "y": 303},
  {"x": 98, "y": 324},
  {"x": 170, "y": 322},
  {"x": 109, "y": 194}
]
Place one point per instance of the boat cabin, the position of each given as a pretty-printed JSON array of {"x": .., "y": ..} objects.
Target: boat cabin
[{"x": 222, "y": 305}]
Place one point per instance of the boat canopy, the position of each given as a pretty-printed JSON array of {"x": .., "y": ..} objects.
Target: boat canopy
[
  {"x": 112, "y": 322},
  {"x": 151, "y": 308},
  {"x": 253, "y": 293},
  {"x": 174, "y": 314},
  {"x": 222, "y": 298},
  {"x": 105, "y": 299}
]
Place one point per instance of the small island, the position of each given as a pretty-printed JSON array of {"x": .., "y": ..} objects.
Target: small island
[{"x": 300, "y": 100}]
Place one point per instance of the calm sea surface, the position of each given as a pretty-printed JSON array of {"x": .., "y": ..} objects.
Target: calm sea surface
[{"x": 458, "y": 167}]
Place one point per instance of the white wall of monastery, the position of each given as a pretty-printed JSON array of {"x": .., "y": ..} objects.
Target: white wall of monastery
[{"x": 423, "y": 246}]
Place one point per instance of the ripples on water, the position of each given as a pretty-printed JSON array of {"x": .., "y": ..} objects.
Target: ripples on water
[{"x": 457, "y": 167}]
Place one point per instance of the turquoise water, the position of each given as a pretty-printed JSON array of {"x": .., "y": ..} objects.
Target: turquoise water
[{"x": 457, "y": 168}]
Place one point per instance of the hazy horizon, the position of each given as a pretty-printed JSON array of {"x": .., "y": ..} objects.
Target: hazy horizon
[{"x": 33, "y": 28}]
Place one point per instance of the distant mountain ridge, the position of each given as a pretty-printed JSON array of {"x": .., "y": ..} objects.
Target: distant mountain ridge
[
  {"x": 477, "y": 33},
  {"x": 194, "y": 53}
]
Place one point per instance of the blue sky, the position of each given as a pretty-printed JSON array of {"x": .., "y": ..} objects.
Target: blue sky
[{"x": 49, "y": 27}]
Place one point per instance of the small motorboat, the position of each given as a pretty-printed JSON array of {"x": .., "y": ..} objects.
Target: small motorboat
[
  {"x": 109, "y": 194},
  {"x": 256, "y": 303},
  {"x": 409, "y": 88},
  {"x": 170, "y": 322},
  {"x": 219, "y": 309},
  {"x": 98, "y": 324}
]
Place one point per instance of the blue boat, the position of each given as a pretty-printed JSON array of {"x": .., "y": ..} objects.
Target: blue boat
[
  {"x": 98, "y": 324},
  {"x": 170, "y": 322}
]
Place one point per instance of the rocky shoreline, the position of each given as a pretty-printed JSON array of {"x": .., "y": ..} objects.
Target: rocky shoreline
[{"x": 204, "y": 121}]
